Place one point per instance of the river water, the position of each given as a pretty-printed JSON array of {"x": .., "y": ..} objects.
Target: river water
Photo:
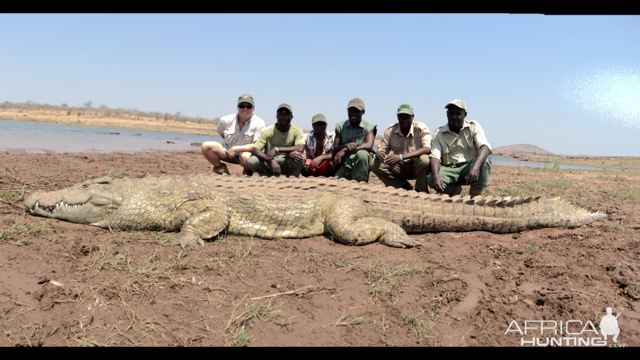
[
  {"x": 41, "y": 137},
  {"x": 38, "y": 137}
]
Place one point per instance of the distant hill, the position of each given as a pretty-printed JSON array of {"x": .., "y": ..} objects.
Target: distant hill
[{"x": 522, "y": 149}]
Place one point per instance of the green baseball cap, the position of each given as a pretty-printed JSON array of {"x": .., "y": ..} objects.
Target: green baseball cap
[
  {"x": 285, "y": 106},
  {"x": 458, "y": 103},
  {"x": 356, "y": 103},
  {"x": 318, "y": 118},
  {"x": 246, "y": 98},
  {"x": 405, "y": 109}
]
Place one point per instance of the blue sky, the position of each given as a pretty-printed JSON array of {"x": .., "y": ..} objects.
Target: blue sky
[{"x": 569, "y": 84}]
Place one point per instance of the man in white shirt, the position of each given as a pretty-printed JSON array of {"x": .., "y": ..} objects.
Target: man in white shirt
[{"x": 239, "y": 132}]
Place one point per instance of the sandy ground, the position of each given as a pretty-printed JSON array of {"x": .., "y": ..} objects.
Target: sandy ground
[{"x": 65, "y": 284}]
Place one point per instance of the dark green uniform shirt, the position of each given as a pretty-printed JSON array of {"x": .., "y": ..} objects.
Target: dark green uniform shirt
[
  {"x": 355, "y": 166},
  {"x": 357, "y": 134}
]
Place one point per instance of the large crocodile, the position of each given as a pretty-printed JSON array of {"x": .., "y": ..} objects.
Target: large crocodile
[{"x": 354, "y": 213}]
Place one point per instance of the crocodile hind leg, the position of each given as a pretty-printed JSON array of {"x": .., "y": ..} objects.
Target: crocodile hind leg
[
  {"x": 205, "y": 220},
  {"x": 349, "y": 222}
]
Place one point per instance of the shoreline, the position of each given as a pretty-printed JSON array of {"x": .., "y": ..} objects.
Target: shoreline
[
  {"x": 621, "y": 162},
  {"x": 116, "y": 124}
]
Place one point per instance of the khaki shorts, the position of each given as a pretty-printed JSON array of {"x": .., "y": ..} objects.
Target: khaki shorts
[{"x": 233, "y": 160}]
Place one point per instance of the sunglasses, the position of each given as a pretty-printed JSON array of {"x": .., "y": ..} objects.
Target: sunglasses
[{"x": 245, "y": 106}]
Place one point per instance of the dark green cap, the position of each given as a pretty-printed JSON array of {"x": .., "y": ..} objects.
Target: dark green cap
[
  {"x": 405, "y": 109},
  {"x": 246, "y": 98}
]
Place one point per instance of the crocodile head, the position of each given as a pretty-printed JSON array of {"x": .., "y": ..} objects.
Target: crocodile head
[{"x": 86, "y": 203}]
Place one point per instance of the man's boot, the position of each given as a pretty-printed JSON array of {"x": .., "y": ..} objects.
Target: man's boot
[
  {"x": 407, "y": 186},
  {"x": 247, "y": 172},
  {"x": 457, "y": 189},
  {"x": 474, "y": 191},
  {"x": 222, "y": 169}
]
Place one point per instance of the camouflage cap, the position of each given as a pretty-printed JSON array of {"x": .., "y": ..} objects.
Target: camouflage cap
[
  {"x": 285, "y": 106},
  {"x": 458, "y": 103},
  {"x": 405, "y": 109},
  {"x": 246, "y": 98},
  {"x": 318, "y": 118},
  {"x": 356, "y": 103}
]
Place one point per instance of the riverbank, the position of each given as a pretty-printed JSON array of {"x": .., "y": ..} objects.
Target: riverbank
[
  {"x": 65, "y": 284},
  {"x": 94, "y": 119},
  {"x": 623, "y": 162}
]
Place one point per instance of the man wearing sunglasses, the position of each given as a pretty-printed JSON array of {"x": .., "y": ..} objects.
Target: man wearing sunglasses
[{"x": 239, "y": 132}]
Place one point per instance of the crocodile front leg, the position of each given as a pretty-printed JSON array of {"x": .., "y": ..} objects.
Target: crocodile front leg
[
  {"x": 349, "y": 222},
  {"x": 206, "y": 220}
]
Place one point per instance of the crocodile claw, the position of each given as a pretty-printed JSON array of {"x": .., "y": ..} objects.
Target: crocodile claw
[
  {"x": 187, "y": 240},
  {"x": 396, "y": 237},
  {"x": 400, "y": 242}
]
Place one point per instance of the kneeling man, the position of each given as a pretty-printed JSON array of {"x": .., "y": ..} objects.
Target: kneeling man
[
  {"x": 280, "y": 148},
  {"x": 318, "y": 148},
  {"x": 352, "y": 147},
  {"x": 239, "y": 132},
  {"x": 404, "y": 152},
  {"x": 463, "y": 150}
]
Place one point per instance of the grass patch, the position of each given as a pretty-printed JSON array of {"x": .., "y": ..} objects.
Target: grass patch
[
  {"x": 30, "y": 228},
  {"x": 241, "y": 338},
  {"x": 387, "y": 279},
  {"x": 110, "y": 259},
  {"x": 554, "y": 165},
  {"x": 345, "y": 320},
  {"x": 10, "y": 195},
  {"x": 419, "y": 328},
  {"x": 630, "y": 194},
  {"x": 617, "y": 226},
  {"x": 235, "y": 329},
  {"x": 562, "y": 183},
  {"x": 530, "y": 249}
]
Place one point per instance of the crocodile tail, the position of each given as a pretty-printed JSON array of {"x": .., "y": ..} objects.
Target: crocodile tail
[{"x": 429, "y": 212}]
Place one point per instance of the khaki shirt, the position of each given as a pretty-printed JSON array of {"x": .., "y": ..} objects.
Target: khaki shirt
[
  {"x": 394, "y": 140},
  {"x": 449, "y": 147}
]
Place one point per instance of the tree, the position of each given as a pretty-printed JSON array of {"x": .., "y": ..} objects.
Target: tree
[
  {"x": 64, "y": 106},
  {"x": 166, "y": 116},
  {"x": 88, "y": 104}
]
